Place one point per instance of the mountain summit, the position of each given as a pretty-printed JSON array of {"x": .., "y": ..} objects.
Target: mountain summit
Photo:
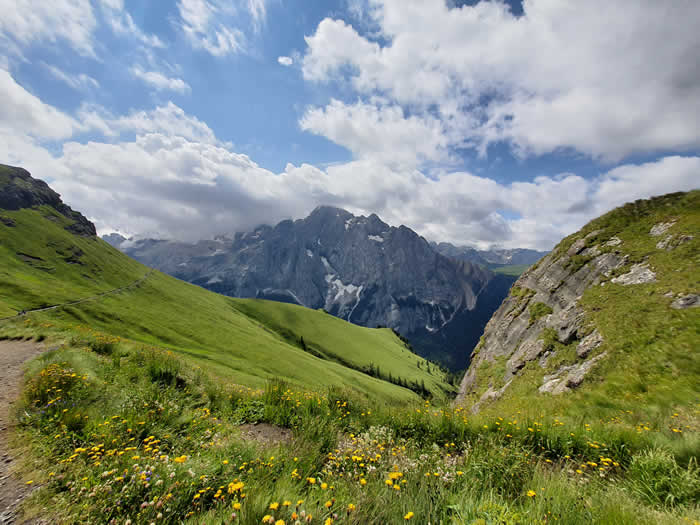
[{"x": 355, "y": 267}]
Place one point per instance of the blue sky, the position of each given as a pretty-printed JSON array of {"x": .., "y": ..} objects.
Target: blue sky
[{"x": 482, "y": 123}]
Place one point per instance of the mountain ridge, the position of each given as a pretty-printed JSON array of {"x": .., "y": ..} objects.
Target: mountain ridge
[{"x": 357, "y": 268}]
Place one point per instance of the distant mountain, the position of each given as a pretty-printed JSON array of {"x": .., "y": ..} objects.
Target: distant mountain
[
  {"x": 357, "y": 268},
  {"x": 490, "y": 258}
]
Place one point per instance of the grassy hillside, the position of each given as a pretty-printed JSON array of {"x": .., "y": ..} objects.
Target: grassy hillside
[
  {"x": 43, "y": 264},
  {"x": 650, "y": 377},
  {"x": 166, "y": 403}
]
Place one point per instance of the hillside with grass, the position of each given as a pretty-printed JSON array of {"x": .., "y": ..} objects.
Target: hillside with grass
[
  {"x": 44, "y": 262},
  {"x": 606, "y": 326},
  {"x": 157, "y": 401}
]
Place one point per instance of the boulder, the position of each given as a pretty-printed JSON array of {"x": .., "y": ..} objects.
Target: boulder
[{"x": 638, "y": 274}]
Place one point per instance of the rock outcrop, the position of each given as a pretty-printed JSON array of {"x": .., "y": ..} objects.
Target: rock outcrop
[
  {"x": 18, "y": 189},
  {"x": 542, "y": 329}
]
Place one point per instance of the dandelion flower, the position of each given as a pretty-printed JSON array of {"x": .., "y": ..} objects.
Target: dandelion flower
[
  {"x": 408, "y": 516},
  {"x": 531, "y": 493}
]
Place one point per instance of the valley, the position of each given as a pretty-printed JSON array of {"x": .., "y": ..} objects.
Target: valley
[{"x": 151, "y": 399}]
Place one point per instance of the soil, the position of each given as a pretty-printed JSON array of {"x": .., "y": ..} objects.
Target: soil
[
  {"x": 13, "y": 355},
  {"x": 265, "y": 434}
]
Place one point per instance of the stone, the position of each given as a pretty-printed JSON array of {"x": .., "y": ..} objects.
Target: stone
[
  {"x": 687, "y": 301},
  {"x": 660, "y": 228},
  {"x": 568, "y": 377},
  {"x": 638, "y": 274},
  {"x": 589, "y": 343},
  {"x": 665, "y": 244},
  {"x": 528, "y": 351},
  {"x": 614, "y": 241}
]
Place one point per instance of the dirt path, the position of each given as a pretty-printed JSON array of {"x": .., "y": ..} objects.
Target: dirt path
[
  {"x": 13, "y": 355},
  {"x": 83, "y": 300}
]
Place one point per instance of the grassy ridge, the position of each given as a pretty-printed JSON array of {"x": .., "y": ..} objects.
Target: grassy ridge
[
  {"x": 650, "y": 377},
  {"x": 41, "y": 263}
]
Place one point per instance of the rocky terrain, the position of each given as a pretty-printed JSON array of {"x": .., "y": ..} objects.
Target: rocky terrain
[
  {"x": 357, "y": 268},
  {"x": 543, "y": 327},
  {"x": 18, "y": 189}
]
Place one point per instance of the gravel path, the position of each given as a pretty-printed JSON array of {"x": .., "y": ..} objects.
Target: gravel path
[{"x": 13, "y": 355}]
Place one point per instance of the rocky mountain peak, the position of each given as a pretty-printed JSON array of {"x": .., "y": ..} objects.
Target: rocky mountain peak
[
  {"x": 357, "y": 268},
  {"x": 18, "y": 189}
]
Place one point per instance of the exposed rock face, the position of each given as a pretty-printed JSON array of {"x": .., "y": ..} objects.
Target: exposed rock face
[
  {"x": 639, "y": 274},
  {"x": 18, "y": 189},
  {"x": 516, "y": 335},
  {"x": 568, "y": 377},
  {"x": 357, "y": 268}
]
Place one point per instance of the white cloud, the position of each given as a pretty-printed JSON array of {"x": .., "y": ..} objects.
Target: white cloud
[
  {"x": 379, "y": 132},
  {"x": 25, "y": 22},
  {"x": 77, "y": 81},
  {"x": 285, "y": 61},
  {"x": 161, "y": 82},
  {"x": 123, "y": 24},
  {"x": 608, "y": 79},
  {"x": 24, "y": 113},
  {"x": 163, "y": 170},
  {"x": 203, "y": 27}
]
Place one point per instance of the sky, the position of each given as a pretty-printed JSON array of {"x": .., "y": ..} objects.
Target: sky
[{"x": 481, "y": 123}]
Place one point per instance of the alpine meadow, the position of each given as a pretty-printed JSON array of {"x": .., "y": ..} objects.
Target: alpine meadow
[{"x": 349, "y": 262}]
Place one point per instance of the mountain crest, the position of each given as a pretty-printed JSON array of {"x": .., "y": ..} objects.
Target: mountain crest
[{"x": 18, "y": 190}]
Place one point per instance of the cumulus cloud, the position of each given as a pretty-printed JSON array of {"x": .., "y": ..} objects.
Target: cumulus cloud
[
  {"x": 377, "y": 132},
  {"x": 607, "y": 79},
  {"x": 285, "y": 61},
  {"x": 160, "y": 82},
  {"x": 23, "y": 113}
]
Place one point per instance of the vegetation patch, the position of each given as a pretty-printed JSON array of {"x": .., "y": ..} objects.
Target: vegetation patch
[{"x": 538, "y": 311}]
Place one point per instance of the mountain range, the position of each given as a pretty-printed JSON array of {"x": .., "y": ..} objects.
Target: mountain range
[{"x": 354, "y": 267}]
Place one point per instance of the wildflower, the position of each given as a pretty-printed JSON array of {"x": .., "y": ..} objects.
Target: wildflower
[
  {"x": 363, "y": 482},
  {"x": 312, "y": 481},
  {"x": 328, "y": 504},
  {"x": 274, "y": 506},
  {"x": 180, "y": 459},
  {"x": 408, "y": 516},
  {"x": 30, "y": 482},
  {"x": 279, "y": 522},
  {"x": 236, "y": 506},
  {"x": 324, "y": 486},
  {"x": 294, "y": 515},
  {"x": 286, "y": 503},
  {"x": 328, "y": 521},
  {"x": 267, "y": 518},
  {"x": 351, "y": 507},
  {"x": 388, "y": 482}
]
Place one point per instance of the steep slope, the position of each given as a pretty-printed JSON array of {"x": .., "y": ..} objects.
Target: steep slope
[
  {"x": 606, "y": 324},
  {"x": 45, "y": 260},
  {"x": 357, "y": 268}
]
